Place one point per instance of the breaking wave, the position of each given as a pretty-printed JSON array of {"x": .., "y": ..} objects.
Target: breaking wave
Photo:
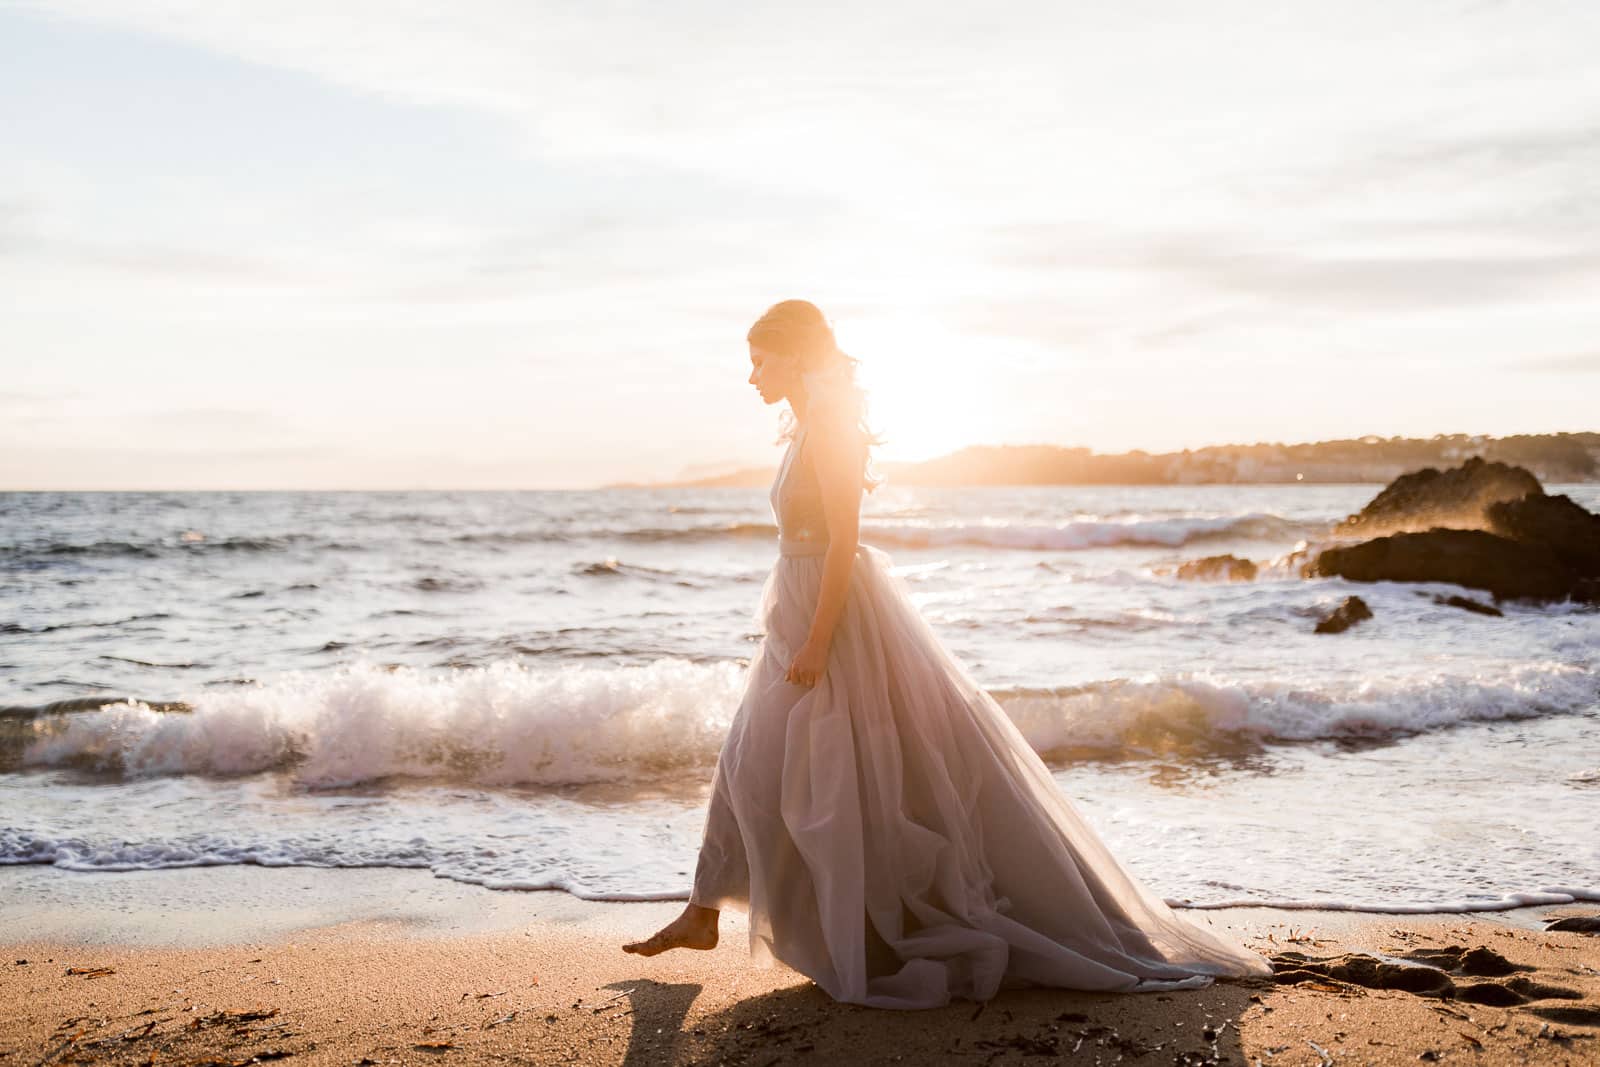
[{"x": 506, "y": 724}]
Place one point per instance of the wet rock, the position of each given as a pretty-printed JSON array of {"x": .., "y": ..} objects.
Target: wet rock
[
  {"x": 1457, "y": 497},
  {"x": 1483, "y": 525},
  {"x": 1466, "y": 603},
  {"x": 1229, "y": 568},
  {"x": 1582, "y": 924},
  {"x": 1473, "y": 558},
  {"x": 1346, "y": 615},
  {"x": 1556, "y": 522}
]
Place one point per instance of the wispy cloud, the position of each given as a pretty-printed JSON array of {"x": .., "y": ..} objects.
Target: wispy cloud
[{"x": 1575, "y": 363}]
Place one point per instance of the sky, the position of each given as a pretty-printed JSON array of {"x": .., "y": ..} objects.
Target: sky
[{"x": 512, "y": 244}]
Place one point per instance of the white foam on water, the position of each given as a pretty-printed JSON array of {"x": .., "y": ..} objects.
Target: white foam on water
[
  {"x": 508, "y": 724},
  {"x": 501, "y": 724},
  {"x": 79, "y": 854},
  {"x": 1167, "y": 532}
]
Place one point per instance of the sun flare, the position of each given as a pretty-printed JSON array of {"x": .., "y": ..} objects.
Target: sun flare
[{"x": 918, "y": 382}]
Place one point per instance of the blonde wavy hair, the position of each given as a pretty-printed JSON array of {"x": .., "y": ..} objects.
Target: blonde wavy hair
[{"x": 797, "y": 330}]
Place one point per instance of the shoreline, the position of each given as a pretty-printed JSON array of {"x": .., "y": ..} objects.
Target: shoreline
[
  {"x": 397, "y": 966},
  {"x": 142, "y": 906}
]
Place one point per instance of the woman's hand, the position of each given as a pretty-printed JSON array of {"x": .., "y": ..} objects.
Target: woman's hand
[{"x": 808, "y": 665}]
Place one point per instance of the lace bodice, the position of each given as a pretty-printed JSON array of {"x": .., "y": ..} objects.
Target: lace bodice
[{"x": 797, "y": 503}]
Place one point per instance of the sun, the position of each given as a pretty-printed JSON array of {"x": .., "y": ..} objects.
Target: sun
[{"x": 921, "y": 387}]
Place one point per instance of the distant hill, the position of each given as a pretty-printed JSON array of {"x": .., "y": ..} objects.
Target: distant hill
[{"x": 1561, "y": 457}]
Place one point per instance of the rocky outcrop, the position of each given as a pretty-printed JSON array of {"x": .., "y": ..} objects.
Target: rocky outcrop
[
  {"x": 1346, "y": 615},
  {"x": 1558, "y": 522},
  {"x": 1458, "y": 498},
  {"x": 1227, "y": 568},
  {"x": 1482, "y": 525},
  {"x": 1508, "y": 569}
]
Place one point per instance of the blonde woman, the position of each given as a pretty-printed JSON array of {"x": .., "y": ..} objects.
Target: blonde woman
[{"x": 888, "y": 830}]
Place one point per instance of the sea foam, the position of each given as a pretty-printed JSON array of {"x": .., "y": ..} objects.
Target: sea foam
[{"x": 509, "y": 724}]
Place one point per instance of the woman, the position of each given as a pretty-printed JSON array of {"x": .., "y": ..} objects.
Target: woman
[{"x": 886, "y": 826}]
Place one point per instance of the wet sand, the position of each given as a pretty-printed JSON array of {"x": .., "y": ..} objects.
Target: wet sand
[{"x": 239, "y": 965}]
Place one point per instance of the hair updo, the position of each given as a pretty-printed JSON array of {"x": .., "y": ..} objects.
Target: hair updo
[{"x": 797, "y": 330}]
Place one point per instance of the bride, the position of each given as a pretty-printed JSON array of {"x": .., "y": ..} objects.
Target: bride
[{"x": 888, "y": 830}]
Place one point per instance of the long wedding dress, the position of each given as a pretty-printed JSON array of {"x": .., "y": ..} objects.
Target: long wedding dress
[{"x": 889, "y": 831}]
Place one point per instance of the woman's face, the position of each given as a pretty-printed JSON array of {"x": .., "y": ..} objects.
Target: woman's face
[{"x": 772, "y": 375}]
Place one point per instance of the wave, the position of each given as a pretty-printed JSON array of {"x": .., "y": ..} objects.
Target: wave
[
  {"x": 1093, "y": 533},
  {"x": 507, "y": 724},
  {"x": 739, "y": 530},
  {"x": 612, "y": 567},
  {"x": 911, "y": 533},
  {"x": 189, "y": 542},
  {"x": 435, "y": 584},
  {"x": 1080, "y": 534},
  {"x": 503, "y": 724},
  {"x": 475, "y": 867},
  {"x": 1198, "y": 715}
]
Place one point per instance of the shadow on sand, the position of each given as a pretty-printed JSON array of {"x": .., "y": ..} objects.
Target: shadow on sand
[{"x": 801, "y": 1023}]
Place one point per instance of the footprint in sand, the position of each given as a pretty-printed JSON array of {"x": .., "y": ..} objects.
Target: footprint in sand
[{"x": 1427, "y": 973}]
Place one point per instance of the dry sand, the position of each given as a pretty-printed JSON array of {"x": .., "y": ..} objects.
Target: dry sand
[{"x": 233, "y": 965}]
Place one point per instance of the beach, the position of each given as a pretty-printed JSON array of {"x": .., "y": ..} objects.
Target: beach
[{"x": 248, "y": 964}]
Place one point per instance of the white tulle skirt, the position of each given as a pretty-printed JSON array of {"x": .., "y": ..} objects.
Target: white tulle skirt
[{"x": 895, "y": 839}]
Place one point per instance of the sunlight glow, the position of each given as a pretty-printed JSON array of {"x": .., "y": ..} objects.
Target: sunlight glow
[{"x": 919, "y": 381}]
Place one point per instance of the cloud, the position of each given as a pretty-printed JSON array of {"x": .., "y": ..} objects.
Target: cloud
[
  {"x": 1375, "y": 281},
  {"x": 1546, "y": 155},
  {"x": 147, "y": 261},
  {"x": 28, "y": 402},
  {"x": 1576, "y": 363}
]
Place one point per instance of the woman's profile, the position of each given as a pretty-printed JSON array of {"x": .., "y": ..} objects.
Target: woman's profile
[{"x": 888, "y": 829}]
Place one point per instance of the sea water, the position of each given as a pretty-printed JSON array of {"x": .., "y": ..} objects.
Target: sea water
[{"x": 528, "y": 690}]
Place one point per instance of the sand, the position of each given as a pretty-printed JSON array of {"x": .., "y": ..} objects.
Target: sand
[{"x": 234, "y": 965}]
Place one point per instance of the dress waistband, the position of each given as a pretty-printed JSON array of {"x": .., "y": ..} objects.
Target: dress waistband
[{"x": 791, "y": 546}]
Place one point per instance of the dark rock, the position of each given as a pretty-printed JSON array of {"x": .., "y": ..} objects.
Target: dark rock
[
  {"x": 1557, "y": 522},
  {"x": 1231, "y": 568},
  {"x": 1482, "y": 525},
  {"x": 1346, "y": 615},
  {"x": 1468, "y": 604},
  {"x": 1582, "y": 924},
  {"x": 1473, "y": 558},
  {"x": 1430, "y": 497}
]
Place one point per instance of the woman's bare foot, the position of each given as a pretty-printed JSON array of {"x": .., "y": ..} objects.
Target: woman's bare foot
[{"x": 695, "y": 928}]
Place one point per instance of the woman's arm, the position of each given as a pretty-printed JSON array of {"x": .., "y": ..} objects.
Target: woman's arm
[{"x": 836, "y": 457}]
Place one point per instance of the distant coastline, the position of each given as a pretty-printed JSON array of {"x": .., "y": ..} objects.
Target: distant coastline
[{"x": 1559, "y": 457}]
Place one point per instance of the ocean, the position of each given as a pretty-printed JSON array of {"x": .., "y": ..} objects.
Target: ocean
[{"x": 528, "y": 690}]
